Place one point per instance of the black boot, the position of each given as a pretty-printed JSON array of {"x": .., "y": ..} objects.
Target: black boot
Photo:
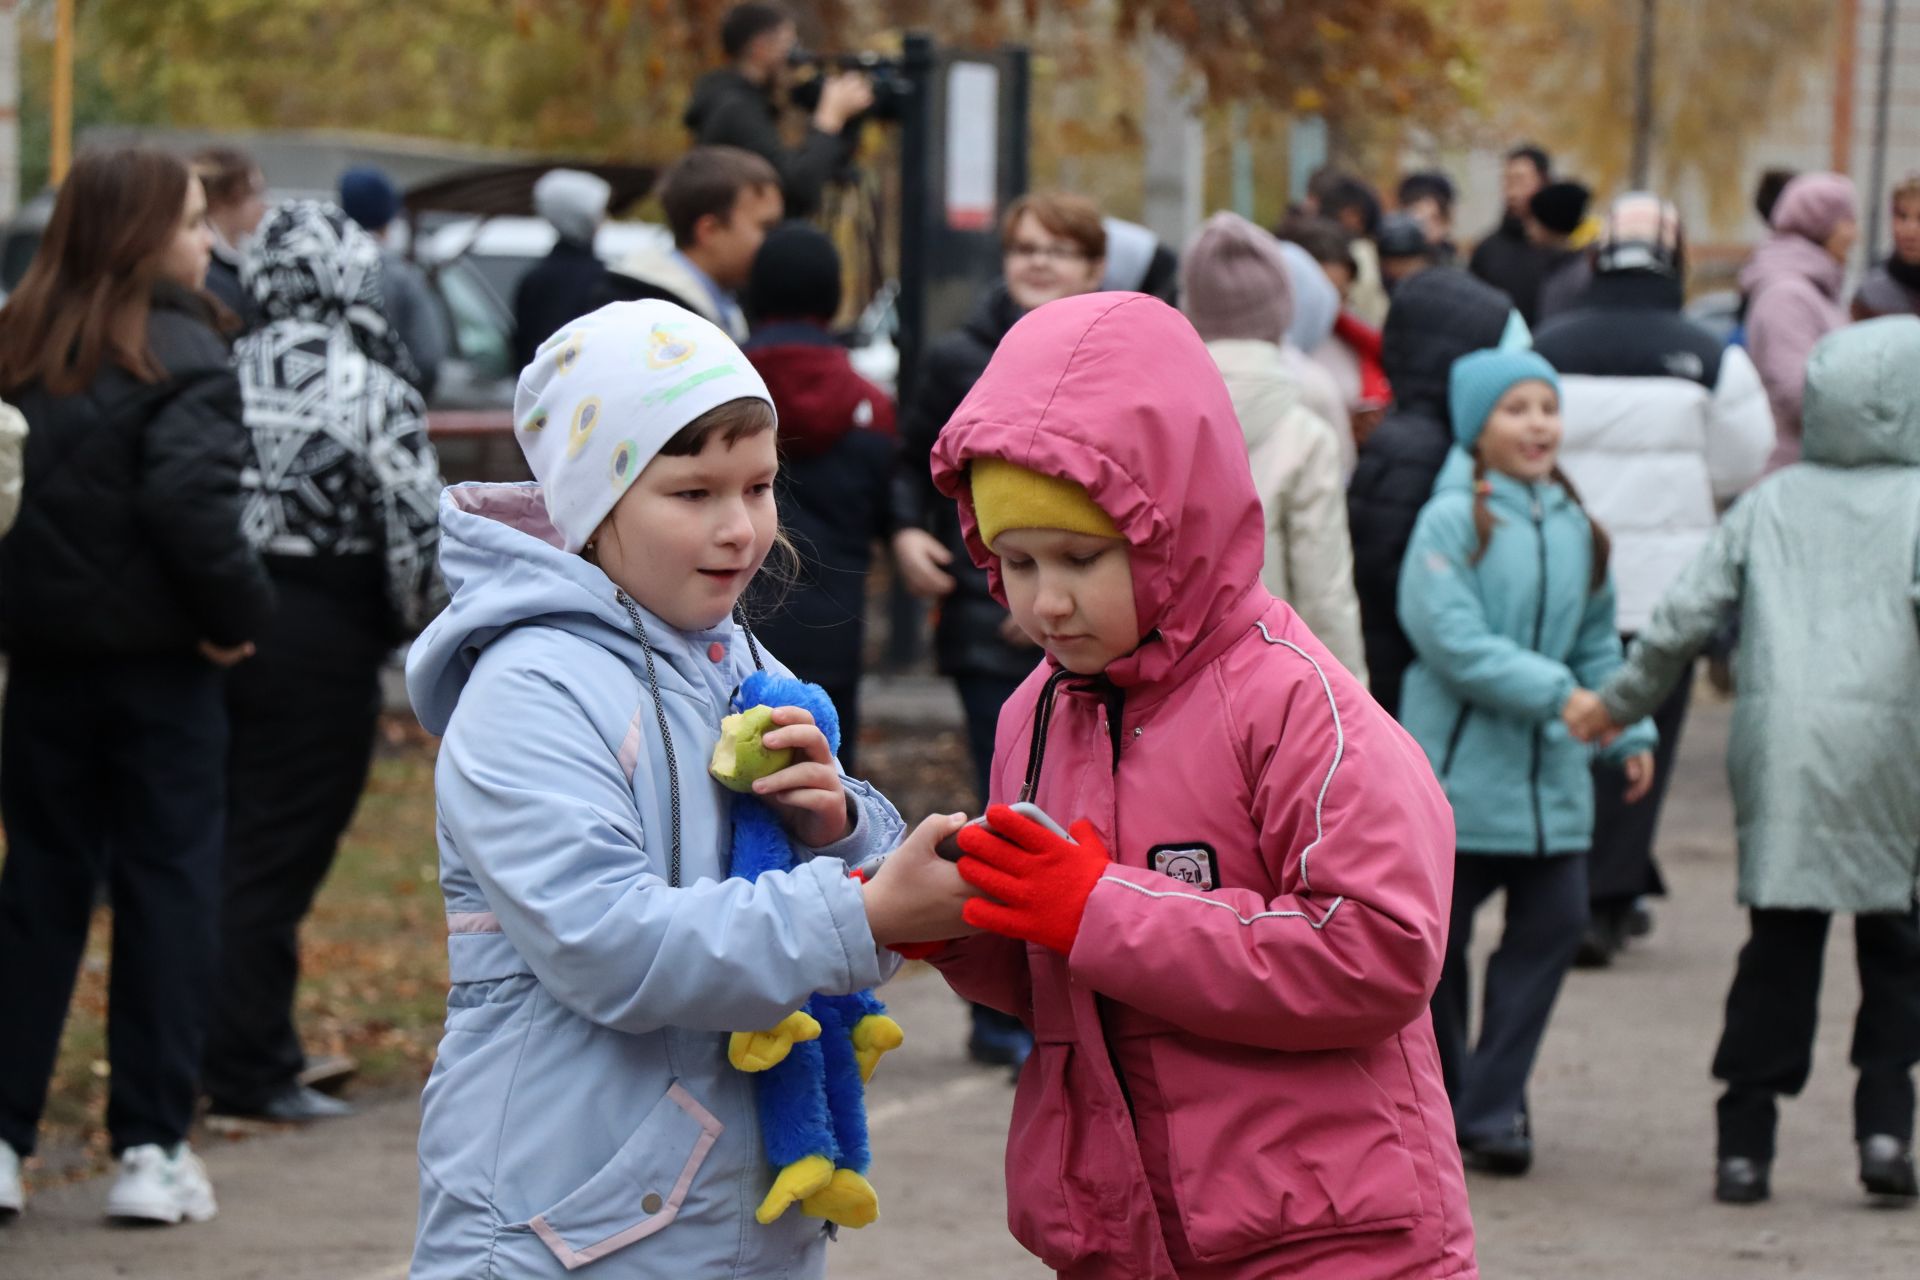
[
  {"x": 1506, "y": 1155},
  {"x": 1741, "y": 1180},
  {"x": 1886, "y": 1168}
]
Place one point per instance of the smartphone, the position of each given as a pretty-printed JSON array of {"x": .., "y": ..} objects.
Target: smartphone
[{"x": 950, "y": 847}]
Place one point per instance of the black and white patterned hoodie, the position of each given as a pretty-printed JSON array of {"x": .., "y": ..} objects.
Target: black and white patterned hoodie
[{"x": 340, "y": 462}]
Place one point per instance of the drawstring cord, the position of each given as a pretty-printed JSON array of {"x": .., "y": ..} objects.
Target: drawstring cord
[
  {"x": 660, "y": 714},
  {"x": 1111, "y": 694}
]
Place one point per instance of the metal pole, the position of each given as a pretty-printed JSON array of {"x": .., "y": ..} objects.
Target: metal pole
[
  {"x": 9, "y": 107},
  {"x": 1642, "y": 163},
  {"x": 1889, "y": 17},
  {"x": 1242, "y": 161},
  {"x": 62, "y": 142},
  {"x": 1016, "y": 133},
  {"x": 916, "y": 205}
]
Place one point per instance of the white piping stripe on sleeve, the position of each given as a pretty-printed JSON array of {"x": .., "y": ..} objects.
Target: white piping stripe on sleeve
[
  {"x": 1339, "y": 751},
  {"x": 1321, "y": 923}
]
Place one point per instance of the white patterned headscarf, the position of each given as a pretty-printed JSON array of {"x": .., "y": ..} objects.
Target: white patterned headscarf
[
  {"x": 606, "y": 392},
  {"x": 309, "y": 262}
]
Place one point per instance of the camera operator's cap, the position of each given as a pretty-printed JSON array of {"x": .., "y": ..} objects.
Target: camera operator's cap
[{"x": 605, "y": 392}]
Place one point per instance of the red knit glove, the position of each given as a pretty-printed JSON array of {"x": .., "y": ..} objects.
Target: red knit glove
[
  {"x": 905, "y": 950},
  {"x": 1038, "y": 883}
]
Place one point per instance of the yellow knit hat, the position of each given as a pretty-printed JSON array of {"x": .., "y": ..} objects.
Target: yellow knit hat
[{"x": 1008, "y": 496}]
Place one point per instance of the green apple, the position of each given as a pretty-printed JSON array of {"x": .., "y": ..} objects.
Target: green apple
[{"x": 740, "y": 758}]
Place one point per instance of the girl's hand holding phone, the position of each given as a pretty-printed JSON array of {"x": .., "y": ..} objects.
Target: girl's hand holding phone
[
  {"x": 917, "y": 896},
  {"x": 1034, "y": 880},
  {"x": 807, "y": 794}
]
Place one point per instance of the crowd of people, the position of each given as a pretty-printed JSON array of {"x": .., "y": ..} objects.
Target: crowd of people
[{"x": 1320, "y": 586}]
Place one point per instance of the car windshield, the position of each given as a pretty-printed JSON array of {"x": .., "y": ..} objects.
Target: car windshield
[
  {"x": 501, "y": 272},
  {"x": 482, "y": 327}
]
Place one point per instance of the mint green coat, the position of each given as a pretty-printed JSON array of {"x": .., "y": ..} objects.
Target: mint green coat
[{"x": 1822, "y": 560}]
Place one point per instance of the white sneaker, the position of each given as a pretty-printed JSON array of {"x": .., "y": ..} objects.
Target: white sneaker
[
  {"x": 13, "y": 1196},
  {"x": 156, "y": 1185}
]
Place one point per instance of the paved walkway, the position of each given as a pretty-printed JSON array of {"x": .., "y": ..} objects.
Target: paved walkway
[{"x": 1623, "y": 1103}]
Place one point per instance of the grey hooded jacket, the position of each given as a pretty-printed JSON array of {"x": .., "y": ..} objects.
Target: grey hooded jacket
[{"x": 1822, "y": 560}]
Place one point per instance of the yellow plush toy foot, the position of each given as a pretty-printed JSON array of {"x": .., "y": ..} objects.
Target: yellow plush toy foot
[
  {"x": 874, "y": 1035},
  {"x": 805, "y": 1177},
  {"x": 848, "y": 1200},
  {"x": 762, "y": 1050}
]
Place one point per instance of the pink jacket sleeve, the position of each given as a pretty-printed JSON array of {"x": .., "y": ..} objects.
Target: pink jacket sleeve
[
  {"x": 1358, "y": 836},
  {"x": 989, "y": 970}
]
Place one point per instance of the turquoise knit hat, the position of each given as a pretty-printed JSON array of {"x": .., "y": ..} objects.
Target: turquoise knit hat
[{"x": 1480, "y": 378}]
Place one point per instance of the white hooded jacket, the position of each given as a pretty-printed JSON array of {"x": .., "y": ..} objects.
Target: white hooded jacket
[{"x": 1295, "y": 458}]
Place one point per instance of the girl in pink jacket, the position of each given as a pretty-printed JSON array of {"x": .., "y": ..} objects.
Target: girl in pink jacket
[{"x": 1226, "y": 967}]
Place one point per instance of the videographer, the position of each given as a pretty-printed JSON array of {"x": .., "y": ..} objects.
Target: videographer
[{"x": 739, "y": 105}]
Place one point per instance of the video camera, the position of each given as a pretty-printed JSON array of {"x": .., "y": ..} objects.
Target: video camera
[{"x": 891, "y": 87}]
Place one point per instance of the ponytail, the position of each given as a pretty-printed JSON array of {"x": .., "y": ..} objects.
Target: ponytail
[
  {"x": 1484, "y": 520},
  {"x": 1602, "y": 545}
]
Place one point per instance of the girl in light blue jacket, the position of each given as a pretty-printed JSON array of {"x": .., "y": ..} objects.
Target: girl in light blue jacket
[
  {"x": 582, "y": 1114},
  {"x": 1504, "y": 594}
]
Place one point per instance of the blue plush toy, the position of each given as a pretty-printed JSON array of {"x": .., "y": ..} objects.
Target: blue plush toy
[{"x": 814, "y": 1065}]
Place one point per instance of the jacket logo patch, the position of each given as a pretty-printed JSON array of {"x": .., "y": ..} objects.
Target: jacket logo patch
[
  {"x": 1685, "y": 364},
  {"x": 1191, "y": 864}
]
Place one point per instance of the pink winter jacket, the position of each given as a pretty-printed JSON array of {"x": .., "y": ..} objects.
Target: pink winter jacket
[
  {"x": 1234, "y": 1072},
  {"x": 1793, "y": 300}
]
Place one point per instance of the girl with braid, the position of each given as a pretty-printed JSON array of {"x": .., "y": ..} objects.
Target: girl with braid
[{"x": 1505, "y": 596}]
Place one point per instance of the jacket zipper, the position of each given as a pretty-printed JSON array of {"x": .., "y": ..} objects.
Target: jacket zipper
[
  {"x": 1453, "y": 740},
  {"x": 1539, "y": 628}
]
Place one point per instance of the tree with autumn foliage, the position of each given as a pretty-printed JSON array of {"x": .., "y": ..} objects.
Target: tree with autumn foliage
[
  {"x": 610, "y": 78},
  {"x": 1566, "y": 72}
]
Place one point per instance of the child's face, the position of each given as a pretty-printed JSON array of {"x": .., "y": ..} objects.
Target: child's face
[
  {"x": 1072, "y": 593},
  {"x": 690, "y": 534},
  {"x": 1522, "y": 435},
  {"x": 1906, "y": 229}
]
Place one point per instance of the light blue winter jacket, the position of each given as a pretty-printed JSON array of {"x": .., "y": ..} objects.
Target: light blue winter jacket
[
  {"x": 582, "y": 1113},
  {"x": 1502, "y": 644}
]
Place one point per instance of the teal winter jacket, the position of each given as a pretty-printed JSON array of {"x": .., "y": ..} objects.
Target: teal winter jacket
[{"x": 1501, "y": 644}]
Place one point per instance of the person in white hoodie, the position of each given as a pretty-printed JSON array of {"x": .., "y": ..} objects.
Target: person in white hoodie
[
  {"x": 1235, "y": 290},
  {"x": 1316, "y": 307},
  {"x": 13, "y": 444},
  {"x": 1664, "y": 426}
]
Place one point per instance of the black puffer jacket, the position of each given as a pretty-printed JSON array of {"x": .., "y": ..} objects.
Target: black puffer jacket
[
  {"x": 729, "y": 110},
  {"x": 967, "y": 639},
  {"x": 1437, "y": 316},
  {"x": 128, "y": 541},
  {"x": 1513, "y": 264}
]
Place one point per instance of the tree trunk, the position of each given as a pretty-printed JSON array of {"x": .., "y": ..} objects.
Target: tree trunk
[{"x": 1641, "y": 167}]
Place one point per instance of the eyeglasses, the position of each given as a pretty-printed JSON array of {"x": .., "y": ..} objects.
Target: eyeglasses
[{"x": 1046, "y": 252}]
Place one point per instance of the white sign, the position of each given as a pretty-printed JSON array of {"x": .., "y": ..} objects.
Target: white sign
[{"x": 973, "y": 135}]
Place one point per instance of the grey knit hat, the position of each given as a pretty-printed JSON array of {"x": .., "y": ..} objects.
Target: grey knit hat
[{"x": 1234, "y": 282}]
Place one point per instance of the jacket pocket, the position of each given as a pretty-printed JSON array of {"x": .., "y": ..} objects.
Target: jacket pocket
[
  {"x": 1040, "y": 1152},
  {"x": 1270, "y": 1148},
  {"x": 639, "y": 1191}
]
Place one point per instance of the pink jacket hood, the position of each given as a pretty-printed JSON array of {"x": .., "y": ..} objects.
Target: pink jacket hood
[
  {"x": 1116, "y": 392},
  {"x": 1234, "y": 1074}
]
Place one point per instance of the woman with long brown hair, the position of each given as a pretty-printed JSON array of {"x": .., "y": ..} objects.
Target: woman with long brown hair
[{"x": 126, "y": 587}]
